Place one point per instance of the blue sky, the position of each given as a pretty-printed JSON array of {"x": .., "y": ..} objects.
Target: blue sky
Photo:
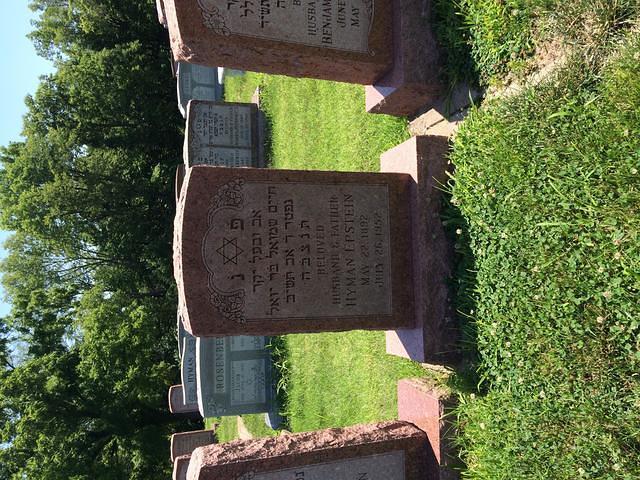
[{"x": 21, "y": 71}]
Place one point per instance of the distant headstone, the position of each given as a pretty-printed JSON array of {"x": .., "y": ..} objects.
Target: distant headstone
[
  {"x": 384, "y": 451},
  {"x": 267, "y": 252},
  {"x": 186, "y": 442},
  {"x": 222, "y": 134},
  {"x": 188, "y": 370},
  {"x": 180, "y": 466},
  {"x": 181, "y": 334},
  {"x": 196, "y": 82},
  {"x": 234, "y": 376},
  {"x": 273, "y": 419},
  {"x": 176, "y": 401},
  {"x": 162, "y": 18},
  {"x": 348, "y": 41}
]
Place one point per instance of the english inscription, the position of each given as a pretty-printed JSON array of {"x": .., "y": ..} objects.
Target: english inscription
[
  {"x": 297, "y": 250},
  {"x": 335, "y": 24},
  {"x": 219, "y": 134},
  {"x": 234, "y": 375},
  {"x": 386, "y": 466},
  {"x": 188, "y": 370},
  {"x": 248, "y": 382}
]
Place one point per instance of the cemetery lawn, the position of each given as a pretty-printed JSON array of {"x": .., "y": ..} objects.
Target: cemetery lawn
[
  {"x": 549, "y": 182},
  {"x": 332, "y": 379}
]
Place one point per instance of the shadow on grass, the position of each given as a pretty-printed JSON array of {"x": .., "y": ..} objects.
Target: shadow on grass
[{"x": 462, "y": 285}]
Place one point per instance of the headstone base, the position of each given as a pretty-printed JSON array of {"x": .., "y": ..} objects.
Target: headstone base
[
  {"x": 427, "y": 406},
  {"x": 415, "y": 79},
  {"x": 433, "y": 340}
]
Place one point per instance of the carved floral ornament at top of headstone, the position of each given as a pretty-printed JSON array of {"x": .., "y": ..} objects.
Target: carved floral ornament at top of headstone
[
  {"x": 229, "y": 304},
  {"x": 212, "y": 17}
]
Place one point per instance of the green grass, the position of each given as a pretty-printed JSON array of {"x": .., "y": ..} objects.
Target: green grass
[
  {"x": 341, "y": 379},
  {"x": 318, "y": 125},
  {"x": 491, "y": 41},
  {"x": 256, "y": 426},
  {"x": 550, "y": 186},
  {"x": 227, "y": 428}
]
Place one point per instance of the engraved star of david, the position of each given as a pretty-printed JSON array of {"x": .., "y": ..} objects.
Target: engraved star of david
[{"x": 230, "y": 251}]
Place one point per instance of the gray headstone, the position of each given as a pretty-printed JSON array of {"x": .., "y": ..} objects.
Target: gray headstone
[
  {"x": 234, "y": 376},
  {"x": 222, "y": 134},
  {"x": 196, "y": 82},
  {"x": 188, "y": 370},
  {"x": 273, "y": 420}
]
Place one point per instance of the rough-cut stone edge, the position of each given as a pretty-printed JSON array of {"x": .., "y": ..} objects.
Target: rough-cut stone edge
[
  {"x": 434, "y": 339},
  {"x": 295, "y": 450},
  {"x": 415, "y": 80},
  {"x": 162, "y": 18}
]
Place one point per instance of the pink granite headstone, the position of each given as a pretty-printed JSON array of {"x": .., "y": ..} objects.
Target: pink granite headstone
[
  {"x": 348, "y": 41},
  {"x": 262, "y": 252},
  {"x": 383, "y": 451},
  {"x": 184, "y": 443}
]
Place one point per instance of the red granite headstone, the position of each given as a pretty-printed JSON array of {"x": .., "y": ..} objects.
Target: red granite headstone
[
  {"x": 266, "y": 252},
  {"x": 384, "y": 451},
  {"x": 176, "y": 402},
  {"x": 346, "y": 40}
]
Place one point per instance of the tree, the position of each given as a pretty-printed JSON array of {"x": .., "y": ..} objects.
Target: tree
[{"x": 89, "y": 195}]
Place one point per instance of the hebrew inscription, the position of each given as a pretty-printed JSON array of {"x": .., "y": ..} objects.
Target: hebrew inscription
[
  {"x": 220, "y": 135},
  {"x": 248, "y": 382},
  {"x": 336, "y": 24},
  {"x": 298, "y": 250}
]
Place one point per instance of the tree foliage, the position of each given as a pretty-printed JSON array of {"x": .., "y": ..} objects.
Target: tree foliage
[{"x": 87, "y": 352}]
